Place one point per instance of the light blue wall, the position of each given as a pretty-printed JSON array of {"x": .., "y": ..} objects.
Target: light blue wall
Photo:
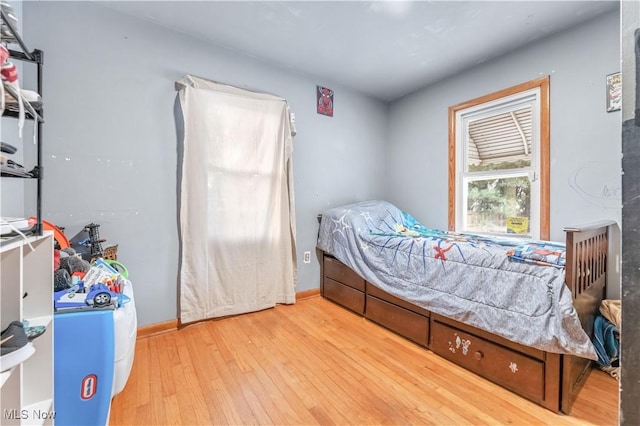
[
  {"x": 585, "y": 139},
  {"x": 110, "y": 138},
  {"x": 110, "y": 148}
]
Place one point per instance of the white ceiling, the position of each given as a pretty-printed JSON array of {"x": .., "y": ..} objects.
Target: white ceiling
[{"x": 385, "y": 49}]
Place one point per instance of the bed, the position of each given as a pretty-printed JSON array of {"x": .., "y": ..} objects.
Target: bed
[{"x": 518, "y": 313}]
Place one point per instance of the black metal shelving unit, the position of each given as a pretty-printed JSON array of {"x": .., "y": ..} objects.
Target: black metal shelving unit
[{"x": 32, "y": 112}]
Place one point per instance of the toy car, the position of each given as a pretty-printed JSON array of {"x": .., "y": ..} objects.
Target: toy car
[{"x": 100, "y": 296}]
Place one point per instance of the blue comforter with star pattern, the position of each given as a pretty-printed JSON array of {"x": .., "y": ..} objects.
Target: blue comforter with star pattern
[{"x": 473, "y": 279}]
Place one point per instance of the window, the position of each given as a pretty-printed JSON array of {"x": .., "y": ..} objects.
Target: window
[{"x": 499, "y": 162}]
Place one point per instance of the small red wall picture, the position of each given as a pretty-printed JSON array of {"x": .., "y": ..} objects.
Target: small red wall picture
[{"x": 325, "y": 101}]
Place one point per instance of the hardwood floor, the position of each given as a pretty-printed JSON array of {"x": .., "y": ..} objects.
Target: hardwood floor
[{"x": 316, "y": 363}]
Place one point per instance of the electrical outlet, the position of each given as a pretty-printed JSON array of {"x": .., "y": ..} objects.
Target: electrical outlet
[{"x": 307, "y": 257}]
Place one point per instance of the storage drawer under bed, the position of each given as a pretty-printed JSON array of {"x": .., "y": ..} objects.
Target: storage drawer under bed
[
  {"x": 406, "y": 323},
  {"x": 339, "y": 272},
  {"x": 514, "y": 370},
  {"x": 344, "y": 295},
  {"x": 343, "y": 286}
]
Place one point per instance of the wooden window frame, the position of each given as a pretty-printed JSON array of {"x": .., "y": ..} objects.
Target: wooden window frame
[{"x": 542, "y": 84}]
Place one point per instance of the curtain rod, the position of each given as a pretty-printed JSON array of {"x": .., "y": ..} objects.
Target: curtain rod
[{"x": 179, "y": 84}]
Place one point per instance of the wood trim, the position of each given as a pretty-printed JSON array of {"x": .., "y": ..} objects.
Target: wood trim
[
  {"x": 538, "y": 82},
  {"x": 452, "y": 167},
  {"x": 301, "y": 295},
  {"x": 545, "y": 143},
  {"x": 157, "y": 328},
  {"x": 543, "y": 83}
]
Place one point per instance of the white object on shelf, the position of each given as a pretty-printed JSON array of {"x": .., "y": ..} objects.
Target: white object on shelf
[
  {"x": 26, "y": 288},
  {"x": 10, "y": 224}
]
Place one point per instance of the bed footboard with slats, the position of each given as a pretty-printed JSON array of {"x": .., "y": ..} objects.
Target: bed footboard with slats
[
  {"x": 586, "y": 276},
  {"x": 587, "y": 249}
]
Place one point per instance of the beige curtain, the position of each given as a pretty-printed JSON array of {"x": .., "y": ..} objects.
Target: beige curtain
[{"x": 237, "y": 217}]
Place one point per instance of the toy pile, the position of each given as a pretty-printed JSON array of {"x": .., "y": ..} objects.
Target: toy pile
[{"x": 82, "y": 278}]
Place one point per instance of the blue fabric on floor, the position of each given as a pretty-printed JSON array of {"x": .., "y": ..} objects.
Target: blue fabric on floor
[{"x": 606, "y": 341}]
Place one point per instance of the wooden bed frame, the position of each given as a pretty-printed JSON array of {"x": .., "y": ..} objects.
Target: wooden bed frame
[{"x": 548, "y": 379}]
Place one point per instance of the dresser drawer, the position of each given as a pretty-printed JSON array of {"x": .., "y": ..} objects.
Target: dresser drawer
[
  {"x": 513, "y": 370},
  {"x": 338, "y": 271},
  {"x": 408, "y": 324},
  {"x": 344, "y": 295}
]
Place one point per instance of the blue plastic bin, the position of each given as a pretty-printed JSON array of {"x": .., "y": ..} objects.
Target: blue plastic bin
[{"x": 83, "y": 367}]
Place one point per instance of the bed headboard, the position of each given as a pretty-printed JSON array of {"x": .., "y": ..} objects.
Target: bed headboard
[
  {"x": 586, "y": 269},
  {"x": 586, "y": 276},
  {"x": 587, "y": 253}
]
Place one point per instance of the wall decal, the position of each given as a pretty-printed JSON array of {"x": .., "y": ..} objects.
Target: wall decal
[{"x": 324, "y": 98}]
